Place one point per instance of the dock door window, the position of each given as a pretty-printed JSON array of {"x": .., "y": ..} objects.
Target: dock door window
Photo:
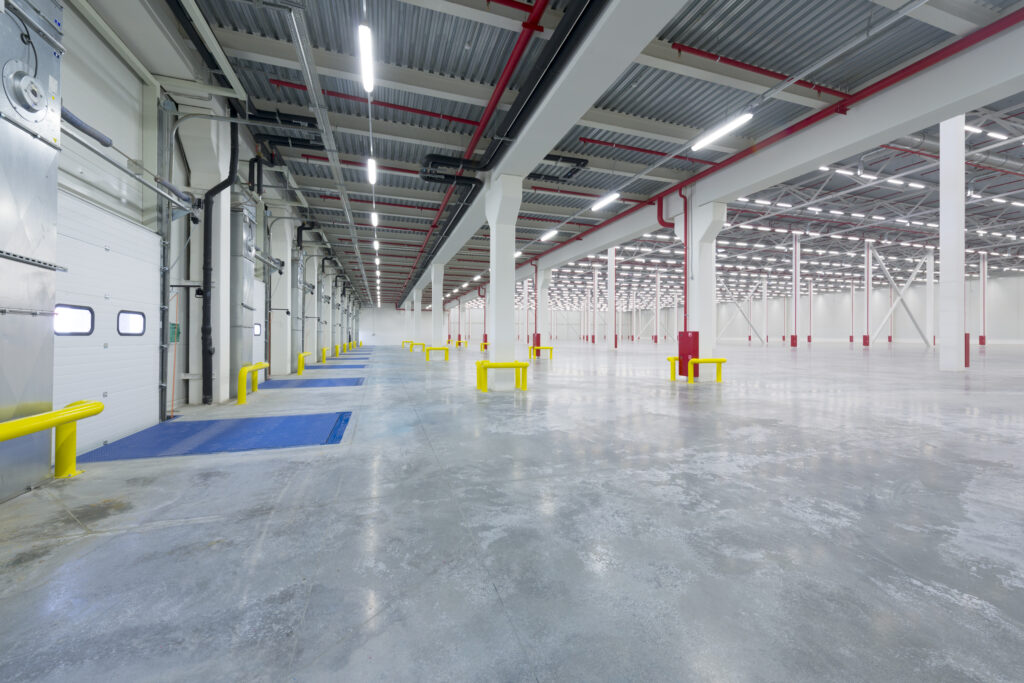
[
  {"x": 131, "y": 324},
  {"x": 73, "y": 320}
]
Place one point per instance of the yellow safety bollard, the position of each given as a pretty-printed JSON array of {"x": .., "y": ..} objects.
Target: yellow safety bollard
[
  {"x": 672, "y": 361},
  {"x": 302, "y": 360},
  {"x": 255, "y": 374},
  {"x": 337, "y": 348},
  {"x": 323, "y": 355}
]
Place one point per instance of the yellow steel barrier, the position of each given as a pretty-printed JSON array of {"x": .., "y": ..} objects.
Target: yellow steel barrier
[
  {"x": 695, "y": 361},
  {"x": 461, "y": 342},
  {"x": 549, "y": 349},
  {"x": 323, "y": 354},
  {"x": 337, "y": 349},
  {"x": 245, "y": 370},
  {"x": 302, "y": 360},
  {"x": 482, "y": 366},
  {"x": 483, "y": 346},
  {"x": 66, "y": 438},
  {"x": 360, "y": 344},
  {"x": 413, "y": 345},
  {"x": 672, "y": 361},
  {"x": 406, "y": 342},
  {"x": 428, "y": 349}
]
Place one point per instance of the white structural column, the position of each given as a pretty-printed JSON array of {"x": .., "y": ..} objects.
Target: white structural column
[
  {"x": 929, "y": 298},
  {"x": 705, "y": 223},
  {"x": 417, "y": 307},
  {"x": 657, "y": 306},
  {"x": 503, "y": 196},
  {"x": 764, "y": 309},
  {"x": 810, "y": 310},
  {"x": 544, "y": 307},
  {"x": 593, "y": 323},
  {"x": 796, "y": 291},
  {"x": 437, "y": 304},
  {"x": 675, "y": 318},
  {"x": 983, "y": 294},
  {"x": 611, "y": 331},
  {"x": 407, "y": 327},
  {"x": 952, "y": 188},
  {"x": 525, "y": 334},
  {"x": 867, "y": 294}
]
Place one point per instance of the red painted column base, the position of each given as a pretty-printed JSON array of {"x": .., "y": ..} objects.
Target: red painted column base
[
  {"x": 890, "y": 339},
  {"x": 536, "y": 342},
  {"x": 792, "y": 340},
  {"x": 867, "y": 340},
  {"x": 967, "y": 349},
  {"x": 851, "y": 338},
  {"x": 808, "y": 339},
  {"x": 981, "y": 340}
]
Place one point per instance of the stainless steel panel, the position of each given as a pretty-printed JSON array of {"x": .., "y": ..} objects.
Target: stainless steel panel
[
  {"x": 28, "y": 228},
  {"x": 243, "y": 274},
  {"x": 298, "y": 306}
]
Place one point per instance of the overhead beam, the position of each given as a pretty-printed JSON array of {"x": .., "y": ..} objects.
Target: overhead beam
[
  {"x": 954, "y": 16},
  {"x": 971, "y": 78}
]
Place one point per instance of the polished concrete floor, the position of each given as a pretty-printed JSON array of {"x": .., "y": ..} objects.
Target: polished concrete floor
[{"x": 827, "y": 514}]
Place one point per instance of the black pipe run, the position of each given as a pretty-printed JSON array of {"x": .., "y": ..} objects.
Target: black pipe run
[{"x": 207, "y": 328}]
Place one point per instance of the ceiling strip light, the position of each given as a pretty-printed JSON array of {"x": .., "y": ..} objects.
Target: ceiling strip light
[
  {"x": 722, "y": 131},
  {"x": 371, "y": 171},
  {"x": 366, "y": 56},
  {"x": 604, "y": 201}
]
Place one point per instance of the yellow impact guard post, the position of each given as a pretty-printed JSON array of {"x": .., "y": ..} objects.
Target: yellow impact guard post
[
  {"x": 302, "y": 360},
  {"x": 412, "y": 346},
  {"x": 482, "y": 366},
  {"x": 323, "y": 355},
  {"x": 549, "y": 349},
  {"x": 695, "y": 361},
  {"x": 406, "y": 342},
  {"x": 428, "y": 349},
  {"x": 245, "y": 370},
  {"x": 483, "y": 346},
  {"x": 461, "y": 342},
  {"x": 337, "y": 348},
  {"x": 672, "y": 360},
  {"x": 344, "y": 348},
  {"x": 360, "y": 344},
  {"x": 66, "y": 438}
]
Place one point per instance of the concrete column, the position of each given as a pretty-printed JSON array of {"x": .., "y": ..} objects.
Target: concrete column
[
  {"x": 503, "y": 196},
  {"x": 657, "y": 306},
  {"x": 311, "y": 299},
  {"x": 417, "y": 313},
  {"x": 929, "y": 294},
  {"x": 593, "y": 323},
  {"x": 764, "y": 309},
  {"x": 867, "y": 294},
  {"x": 675, "y": 318},
  {"x": 281, "y": 300},
  {"x": 437, "y": 336},
  {"x": 983, "y": 296},
  {"x": 407, "y": 323},
  {"x": 613, "y": 338},
  {"x": 524, "y": 321},
  {"x": 796, "y": 291},
  {"x": 544, "y": 306},
  {"x": 705, "y": 223},
  {"x": 952, "y": 182},
  {"x": 810, "y": 309}
]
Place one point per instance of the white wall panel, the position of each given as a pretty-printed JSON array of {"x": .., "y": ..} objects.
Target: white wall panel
[{"x": 113, "y": 265}]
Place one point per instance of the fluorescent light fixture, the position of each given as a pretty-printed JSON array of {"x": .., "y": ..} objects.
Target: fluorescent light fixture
[
  {"x": 517, "y": 254},
  {"x": 998, "y": 200},
  {"x": 378, "y": 273},
  {"x": 972, "y": 129},
  {"x": 376, "y": 245},
  {"x": 742, "y": 199},
  {"x": 843, "y": 171},
  {"x": 604, "y": 201},
  {"x": 475, "y": 278},
  {"x": 868, "y": 176},
  {"x": 894, "y": 181},
  {"x": 835, "y": 213},
  {"x": 916, "y": 186},
  {"x": 824, "y": 168},
  {"x": 374, "y": 218},
  {"x": 763, "y": 202},
  {"x": 814, "y": 209},
  {"x": 371, "y": 171},
  {"x": 997, "y": 136},
  {"x": 376, "y": 261},
  {"x": 721, "y": 131},
  {"x": 784, "y": 205},
  {"x": 548, "y": 235},
  {"x": 366, "y": 56}
]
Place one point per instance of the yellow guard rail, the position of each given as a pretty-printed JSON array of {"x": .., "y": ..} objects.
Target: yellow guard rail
[
  {"x": 302, "y": 360},
  {"x": 245, "y": 370},
  {"x": 538, "y": 349},
  {"x": 482, "y": 366},
  {"x": 66, "y": 441},
  {"x": 695, "y": 361},
  {"x": 428, "y": 349}
]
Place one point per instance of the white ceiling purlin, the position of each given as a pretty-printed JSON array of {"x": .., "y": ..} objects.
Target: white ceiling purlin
[
  {"x": 954, "y": 16},
  {"x": 623, "y": 23}
]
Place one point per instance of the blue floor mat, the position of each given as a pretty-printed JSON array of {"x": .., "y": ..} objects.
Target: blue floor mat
[
  {"x": 335, "y": 367},
  {"x": 196, "y": 437},
  {"x": 312, "y": 383}
]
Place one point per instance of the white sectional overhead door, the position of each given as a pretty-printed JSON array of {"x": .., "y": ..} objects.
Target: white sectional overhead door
[{"x": 114, "y": 269}]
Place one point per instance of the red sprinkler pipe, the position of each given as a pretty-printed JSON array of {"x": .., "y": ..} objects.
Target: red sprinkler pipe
[
  {"x": 840, "y": 107},
  {"x": 531, "y": 25}
]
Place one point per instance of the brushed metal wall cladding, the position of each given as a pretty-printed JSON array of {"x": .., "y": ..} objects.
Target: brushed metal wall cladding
[
  {"x": 113, "y": 265},
  {"x": 241, "y": 295},
  {"x": 28, "y": 218}
]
